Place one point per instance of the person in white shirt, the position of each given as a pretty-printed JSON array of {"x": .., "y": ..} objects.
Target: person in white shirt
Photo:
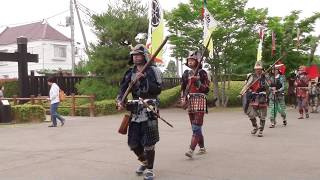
[
  {"x": 54, "y": 102},
  {"x": 1, "y": 91}
]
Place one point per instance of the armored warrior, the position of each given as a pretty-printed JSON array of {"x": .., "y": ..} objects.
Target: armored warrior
[
  {"x": 276, "y": 96},
  {"x": 291, "y": 90},
  {"x": 314, "y": 91},
  {"x": 196, "y": 102},
  {"x": 302, "y": 91},
  {"x": 256, "y": 92},
  {"x": 143, "y": 133}
]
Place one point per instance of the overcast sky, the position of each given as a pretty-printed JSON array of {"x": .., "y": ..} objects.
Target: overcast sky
[{"x": 13, "y": 12}]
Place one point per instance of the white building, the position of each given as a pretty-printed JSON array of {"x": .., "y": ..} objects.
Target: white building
[{"x": 53, "y": 48}]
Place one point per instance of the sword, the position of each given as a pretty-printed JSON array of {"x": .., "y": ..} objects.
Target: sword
[{"x": 156, "y": 113}]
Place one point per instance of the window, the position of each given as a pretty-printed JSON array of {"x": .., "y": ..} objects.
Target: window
[{"x": 60, "y": 51}]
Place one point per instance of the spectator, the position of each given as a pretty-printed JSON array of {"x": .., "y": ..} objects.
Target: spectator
[{"x": 54, "y": 102}]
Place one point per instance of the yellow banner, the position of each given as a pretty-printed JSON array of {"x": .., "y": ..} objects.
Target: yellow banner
[
  {"x": 156, "y": 29},
  {"x": 209, "y": 26}
]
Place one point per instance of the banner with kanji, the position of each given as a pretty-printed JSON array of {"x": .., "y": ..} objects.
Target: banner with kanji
[
  {"x": 156, "y": 29},
  {"x": 209, "y": 25}
]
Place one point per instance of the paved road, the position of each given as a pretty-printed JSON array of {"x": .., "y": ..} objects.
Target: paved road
[{"x": 91, "y": 149}]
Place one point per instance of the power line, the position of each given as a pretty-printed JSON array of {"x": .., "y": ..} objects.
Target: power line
[
  {"x": 86, "y": 8},
  {"x": 57, "y": 14}
]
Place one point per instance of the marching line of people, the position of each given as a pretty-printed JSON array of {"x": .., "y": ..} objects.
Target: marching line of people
[
  {"x": 255, "y": 98},
  {"x": 261, "y": 91}
]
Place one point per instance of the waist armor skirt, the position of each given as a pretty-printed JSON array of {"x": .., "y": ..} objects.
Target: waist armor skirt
[{"x": 197, "y": 102}]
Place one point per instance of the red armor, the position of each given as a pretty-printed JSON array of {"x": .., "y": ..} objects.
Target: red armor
[{"x": 302, "y": 86}]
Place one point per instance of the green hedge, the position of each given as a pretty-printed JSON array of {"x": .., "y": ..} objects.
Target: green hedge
[
  {"x": 236, "y": 77},
  {"x": 107, "y": 107},
  {"x": 232, "y": 93},
  {"x": 11, "y": 88},
  {"x": 28, "y": 113},
  {"x": 169, "y": 97},
  {"x": 98, "y": 87}
]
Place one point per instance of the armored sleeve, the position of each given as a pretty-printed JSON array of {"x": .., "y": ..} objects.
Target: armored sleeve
[
  {"x": 184, "y": 80},
  {"x": 124, "y": 84},
  {"x": 204, "y": 85}
]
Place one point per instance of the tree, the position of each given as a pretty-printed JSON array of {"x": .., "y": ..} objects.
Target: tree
[
  {"x": 116, "y": 30},
  {"x": 286, "y": 29},
  {"x": 234, "y": 43},
  {"x": 81, "y": 68},
  {"x": 171, "y": 70}
]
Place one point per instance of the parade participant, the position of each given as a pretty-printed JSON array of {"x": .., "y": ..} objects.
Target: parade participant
[
  {"x": 302, "y": 91},
  {"x": 256, "y": 90},
  {"x": 276, "y": 96},
  {"x": 196, "y": 102},
  {"x": 143, "y": 133},
  {"x": 314, "y": 96},
  {"x": 318, "y": 89},
  {"x": 291, "y": 90},
  {"x": 1, "y": 91}
]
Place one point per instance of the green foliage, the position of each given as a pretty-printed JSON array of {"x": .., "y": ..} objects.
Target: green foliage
[
  {"x": 232, "y": 94},
  {"x": 236, "y": 39},
  {"x": 233, "y": 39},
  {"x": 11, "y": 88},
  {"x": 185, "y": 27},
  {"x": 169, "y": 97},
  {"x": 171, "y": 70},
  {"x": 286, "y": 29},
  {"x": 238, "y": 77},
  {"x": 81, "y": 68},
  {"x": 107, "y": 107},
  {"x": 64, "y": 111},
  {"x": 98, "y": 87},
  {"x": 28, "y": 113},
  {"x": 116, "y": 29}
]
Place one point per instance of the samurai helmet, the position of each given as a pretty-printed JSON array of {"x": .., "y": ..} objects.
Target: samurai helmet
[
  {"x": 139, "y": 49},
  {"x": 258, "y": 65},
  {"x": 193, "y": 55},
  {"x": 302, "y": 69}
]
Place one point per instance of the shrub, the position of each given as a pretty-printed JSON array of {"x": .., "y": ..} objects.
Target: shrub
[
  {"x": 232, "y": 93},
  {"x": 170, "y": 96},
  {"x": 11, "y": 88},
  {"x": 28, "y": 113},
  {"x": 102, "y": 90},
  {"x": 106, "y": 107}
]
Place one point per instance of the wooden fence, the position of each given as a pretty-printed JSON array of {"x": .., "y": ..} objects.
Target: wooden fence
[
  {"x": 39, "y": 85},
  {"x": 73, "y": 106}
]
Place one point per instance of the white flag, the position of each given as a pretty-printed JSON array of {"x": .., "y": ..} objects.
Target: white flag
[{"x": 209, "y": 26}]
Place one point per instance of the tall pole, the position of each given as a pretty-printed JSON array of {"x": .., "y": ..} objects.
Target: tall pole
[
  {"x": 72, "y": 37},
  {"x": 81, "y": 27}
]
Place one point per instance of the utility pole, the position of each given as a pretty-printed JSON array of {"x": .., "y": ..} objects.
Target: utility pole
[
  {"x": 82, "y": 31},
  {"x": 72, "y": 37}
]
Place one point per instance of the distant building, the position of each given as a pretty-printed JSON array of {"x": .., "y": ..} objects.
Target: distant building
[{"x": 53, "y": 48}]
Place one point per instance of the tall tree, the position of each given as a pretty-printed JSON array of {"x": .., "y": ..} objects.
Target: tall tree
[
  {"x": 234, "y": 40},
  {"x": 299, "y": 49},
  {"x": 116, "y": 29}
]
